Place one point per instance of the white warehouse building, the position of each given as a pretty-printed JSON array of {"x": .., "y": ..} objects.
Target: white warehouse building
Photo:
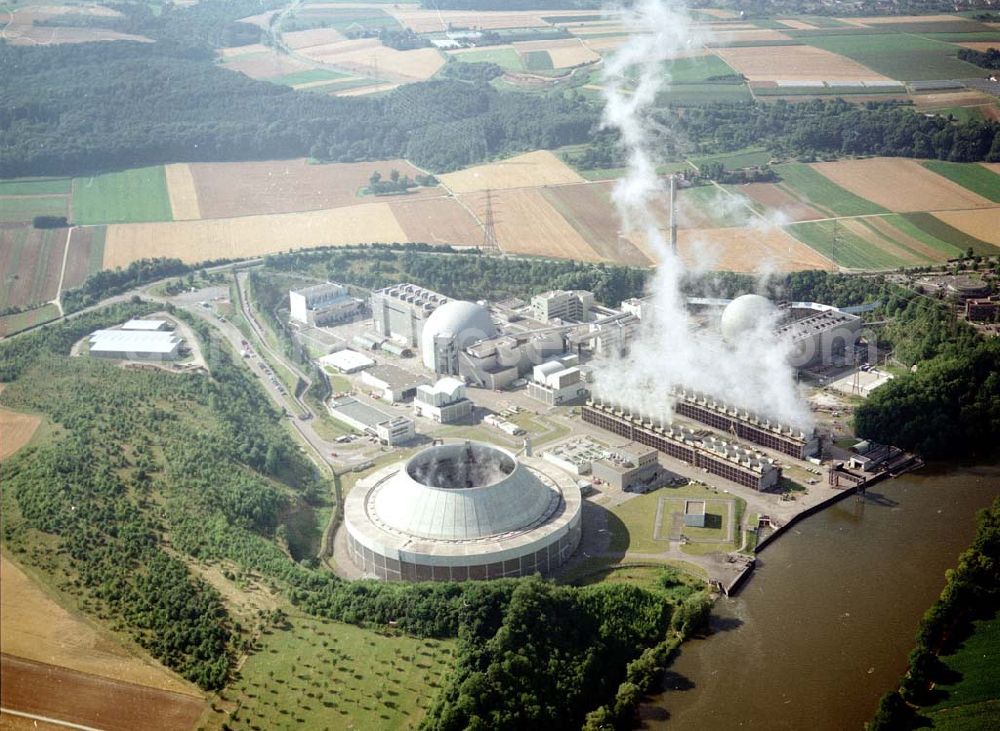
[{"x": 150, "y": 345}]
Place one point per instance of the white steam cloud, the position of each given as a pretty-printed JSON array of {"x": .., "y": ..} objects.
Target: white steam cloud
[{"x": 671, "y": 350}]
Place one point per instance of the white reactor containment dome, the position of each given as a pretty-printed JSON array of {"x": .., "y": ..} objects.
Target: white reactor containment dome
[
  {"x": 745, "y": 314},
  {"x": 461, "y": 511},
  {"x": 459, "y": 320}
]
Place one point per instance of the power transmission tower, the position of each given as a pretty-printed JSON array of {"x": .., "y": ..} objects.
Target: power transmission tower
[{"x": 490, "y": 244}]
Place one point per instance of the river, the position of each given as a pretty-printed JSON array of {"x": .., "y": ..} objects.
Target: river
[{"x": 823, "y": 627}]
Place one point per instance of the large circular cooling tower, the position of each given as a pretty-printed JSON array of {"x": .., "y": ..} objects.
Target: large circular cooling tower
[
  {"x": 464, "y": 322},
  {"x": 459, "y": 511},
  {"x": 743, "y": 315}
]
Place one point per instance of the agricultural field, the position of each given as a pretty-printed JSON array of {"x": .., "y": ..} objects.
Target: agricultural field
[
  {"x": 695, "y": 95},
  {"x": 305, "y": 79},
  {"x": 133, "y": 195},
  {"x": 562, "y": 54},
  {"x": 899, "y": 185},
  {"x": 793, "y": 63},
  {"x": 773, "y": 198},
  {"x": 589, "y": 210},
  {"x": 265, "y": 65},
  {"x": 533, "y": 169},
  {"x": 10, "y": 324},
  {"x": 85, "y": 255},
  {"x": 232, "y": 189},
  {"x": 17, "y": 430},
  {"x": 312, "y": 37},
  {"x": 977, "y": 178},
  {"x": 977, "y": 226},
  {"x": 26, "y": 207},
  {"x": 504, "y": 56},
  {"x": 367, "y": 56},
  {"x": 899, "y": 56},
  {"x": 182, "y": 192},
  {"x": 852, "y": 244},
  {"x": 428, "y": 21},
  {"x": 30, "y": 262},
  {"x": 35, "y": 186},
  {"x": 818, "y": 191},
  {"x": 747, "y": 249},
  {"x": 233, "y": 238},
  {"x": 36, "y": 627},
  {"x": 437, "y": 221},
  {"x": 20, "y": 27},
  {"x": 526, "y": 223},
  {"x": 697, "y": 69}
]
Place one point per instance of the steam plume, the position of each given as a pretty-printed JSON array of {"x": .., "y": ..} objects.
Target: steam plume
[{"x": 670, "y": 351}]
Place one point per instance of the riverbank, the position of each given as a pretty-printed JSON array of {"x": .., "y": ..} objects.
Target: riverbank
[{"x": 824, "y": 628}]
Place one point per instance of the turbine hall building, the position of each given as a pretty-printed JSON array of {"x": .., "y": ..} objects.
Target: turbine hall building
[
  {"x": 321, "y": 304},
  {"x": 399, "y": 311},
  {"x": 462, "y": 511},
  {"x": 717, "y": 456}
]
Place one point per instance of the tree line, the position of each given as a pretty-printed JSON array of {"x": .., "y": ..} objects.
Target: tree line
[
  {"x": 171, "y": 103},
  {"x": 971, "y": 592},
  {"x": 988, "y": 59}
]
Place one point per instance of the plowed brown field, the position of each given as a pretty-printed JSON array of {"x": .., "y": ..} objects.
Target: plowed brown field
[
  {"x": 368, "y": 56},
  {"x": 81, "y": 255},
  {"x": 30, "y": 262},
  {"x": 312, "y": 37},
  {"x": 900, "y": 185},
  {"x": 89, "y": 700},
  {"x": 526, "y": 223},
  {"x": 437, "y": 221},
  {"x": 771, "y": 196},
  {"x": 230, "y": 189}
]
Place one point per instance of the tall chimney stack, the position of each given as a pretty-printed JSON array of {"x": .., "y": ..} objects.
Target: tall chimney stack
[{"x": 673, "y": 213}]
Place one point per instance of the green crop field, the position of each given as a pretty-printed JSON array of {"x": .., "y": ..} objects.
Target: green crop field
[
  {"x": 35, "y": 186},
  {"x": 720, "y": 209},
  {"x": 804, "y": 182},
  {"x": 537, "y": 61},
  {"x": 305, "y": 77},
  {"x": 841, "y": 246},
  {"x": 907, "y": 226},
  {"x": 975, "y": 177},
  {"x": 695, "y": 95},
  {"x": 899, "y": 56},
  {"x": 26, "y": 208},
  {"x": 123, "y": 197},
  {"x": 985, "y": 36},
  {"x": 973, "y": 700},
  {"x": 505, "y": 57},
  {"x": 699, "y": 69},
  {"x": 320, "y": 674},
  {"x": 939, "y": 229}
]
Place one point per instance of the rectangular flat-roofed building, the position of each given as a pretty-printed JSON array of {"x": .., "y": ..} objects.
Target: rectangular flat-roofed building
[
  {"x": 633, "y": 468},
  {"x": 150, "y": 325},
  {"x": 445, "y": 402},
  {"x": 399, "y": 311},
  {"x": 393, "y": 383},
  {"x": 347, "y": 361},
  {"x": 322, "y": 304},
  {"x": 156, "y": 345},
  {"x": 390, "y": 430}
]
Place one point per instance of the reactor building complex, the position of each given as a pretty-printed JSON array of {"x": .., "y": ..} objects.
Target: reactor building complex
[{"x": 462, "y": 511}]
